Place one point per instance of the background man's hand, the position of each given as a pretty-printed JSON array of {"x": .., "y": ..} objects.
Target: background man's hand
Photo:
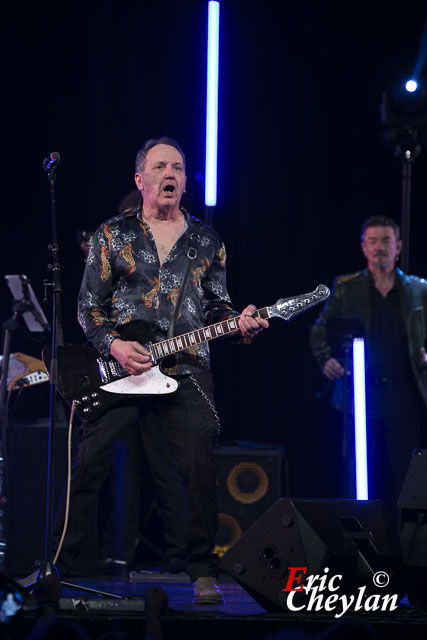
[
  {"x": 332, "y": 369},
  {"x": 250, "y": 326},
  {"x": 131, "y": 355}
]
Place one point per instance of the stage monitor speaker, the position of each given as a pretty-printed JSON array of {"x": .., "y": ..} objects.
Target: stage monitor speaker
[
  {"x": 412, "y": 506},
  {"x": 249, "y": 480},
  {"x": 413, "y": 495},
  {"x": 351, "y": 538}
]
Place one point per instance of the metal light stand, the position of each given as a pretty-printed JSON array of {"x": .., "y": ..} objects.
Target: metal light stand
[
  {"x": 25, "y": 305},
  {"x": 346, "y": 450},
  {"x": 340, "y": 333},
  {"x": 408, "y": 153},
  {"x": 405, "y": 129},
  {"x": 9, "y": 326},
  {"x": 208, "y": 215}
]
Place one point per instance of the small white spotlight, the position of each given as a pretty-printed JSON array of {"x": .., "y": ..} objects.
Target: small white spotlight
[{"x": 411, "y": 86}]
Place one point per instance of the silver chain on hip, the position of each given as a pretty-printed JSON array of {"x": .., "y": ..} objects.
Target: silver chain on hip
[{"x": 208, "y": 400}]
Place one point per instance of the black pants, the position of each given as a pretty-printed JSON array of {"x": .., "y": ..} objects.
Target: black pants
[
  {"x": 191, "y": 430},
  {"x": 119, "y": 527},
  {"x": 396, "y": 424}
]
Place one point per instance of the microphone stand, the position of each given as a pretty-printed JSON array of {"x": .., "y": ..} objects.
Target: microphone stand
[{"x": 47, "y": 567}]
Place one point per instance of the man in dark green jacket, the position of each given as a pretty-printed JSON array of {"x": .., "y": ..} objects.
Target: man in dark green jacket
[{"x": 393, "y": 308}]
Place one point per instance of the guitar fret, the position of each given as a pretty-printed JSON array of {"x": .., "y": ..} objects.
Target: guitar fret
[
  {"x": 232, "y": 324},
  {"x": 187, "y": 340}
]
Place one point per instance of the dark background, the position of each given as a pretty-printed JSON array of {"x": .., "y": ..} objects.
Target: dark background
[{"x": 301, "y": 163}]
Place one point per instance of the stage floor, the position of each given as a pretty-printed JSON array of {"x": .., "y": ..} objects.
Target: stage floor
[{"x": 239, "y": 617}]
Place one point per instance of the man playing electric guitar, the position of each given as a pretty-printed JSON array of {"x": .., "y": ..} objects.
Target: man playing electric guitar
[{"x": 132, "y": 283}]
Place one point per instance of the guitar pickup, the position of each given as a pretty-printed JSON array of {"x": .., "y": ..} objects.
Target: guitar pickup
[
  {"x": 103, "y": 370},
  {"x": 110, "y": 370},
  {"x": 149, "y": 347}
]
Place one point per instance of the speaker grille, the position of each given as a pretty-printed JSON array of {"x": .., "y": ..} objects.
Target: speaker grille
[
  {"x": 247, "y": 482},
  {"x": 250, "y": 480}
]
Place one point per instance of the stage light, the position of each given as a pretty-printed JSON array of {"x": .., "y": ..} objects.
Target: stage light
[
  {"x": 212, "y": 105},
  {"x": 409, "y": 100},
  {"x": 403, "y": 112},
  {"x": 360, "y": 419},
  {"x": 411, "y": 86}
]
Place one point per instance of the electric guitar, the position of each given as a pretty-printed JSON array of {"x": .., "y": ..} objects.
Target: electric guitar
[{"x": 95, "y": 382}]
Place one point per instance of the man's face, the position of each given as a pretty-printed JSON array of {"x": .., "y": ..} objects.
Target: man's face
[
  {"x": 381, "y": 248},
  {"x": 162, "y": 182}
]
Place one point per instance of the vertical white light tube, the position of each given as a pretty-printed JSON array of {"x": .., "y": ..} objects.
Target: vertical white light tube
[
  {"x": 360, "y": 440},
  {"x": 212, "y": 105}
]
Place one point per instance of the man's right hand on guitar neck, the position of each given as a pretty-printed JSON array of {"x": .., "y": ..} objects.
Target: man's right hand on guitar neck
[{"x": 131, "y": 355}]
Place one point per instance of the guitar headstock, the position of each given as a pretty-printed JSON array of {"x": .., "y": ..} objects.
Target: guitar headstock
[{"x": 288, "y": 308}]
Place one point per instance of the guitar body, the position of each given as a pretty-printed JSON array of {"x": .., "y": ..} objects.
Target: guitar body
[
  {"x": 24, "y": 371},
  {"x": 80, "y": 379}
]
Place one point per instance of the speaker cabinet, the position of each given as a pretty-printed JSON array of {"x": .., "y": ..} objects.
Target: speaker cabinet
[
  {"x": 348, "y": 537},
  {"x": 249, "y": 480},
  {"x": 412, "y": 506},
  {"x": 413, "y": 495},
  {"x": 26, "y": 499}
]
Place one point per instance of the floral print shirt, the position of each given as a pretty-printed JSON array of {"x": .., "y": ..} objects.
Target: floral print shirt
[{"x": 126, "y": 292}]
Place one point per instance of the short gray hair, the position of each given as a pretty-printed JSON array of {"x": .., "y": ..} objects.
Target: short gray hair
[{"x": 141, "y": 156}]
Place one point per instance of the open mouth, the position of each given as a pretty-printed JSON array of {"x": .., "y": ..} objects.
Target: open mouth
[{"x": 169, "y": 188}]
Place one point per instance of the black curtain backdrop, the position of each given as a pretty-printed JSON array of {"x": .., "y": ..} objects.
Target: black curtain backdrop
[{"x": 301, "y": 165}]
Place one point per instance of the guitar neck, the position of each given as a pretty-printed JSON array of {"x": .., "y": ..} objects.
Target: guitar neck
[{"x": 212, "y": 331}]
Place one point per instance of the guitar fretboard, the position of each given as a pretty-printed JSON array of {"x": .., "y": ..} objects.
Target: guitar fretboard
[{"x": 187, "y": 340}]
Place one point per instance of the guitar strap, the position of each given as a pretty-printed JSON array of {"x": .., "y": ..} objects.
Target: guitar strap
[{"x": 190, "y": 250}]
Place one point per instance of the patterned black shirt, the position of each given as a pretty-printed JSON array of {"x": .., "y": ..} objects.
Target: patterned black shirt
[{"x": 125, "y": 288}]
